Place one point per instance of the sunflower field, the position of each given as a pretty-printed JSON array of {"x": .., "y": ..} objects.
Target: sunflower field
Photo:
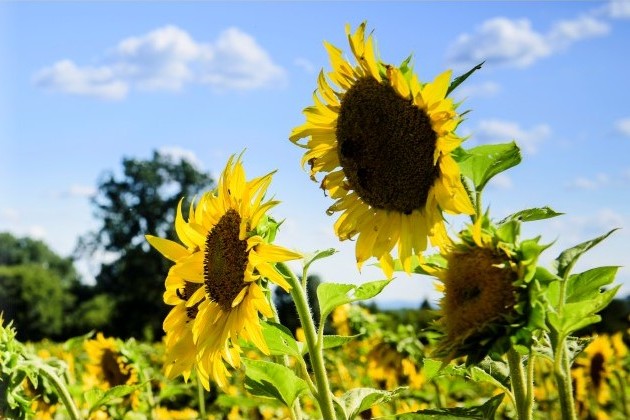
[{"x": 507, "y": 340}]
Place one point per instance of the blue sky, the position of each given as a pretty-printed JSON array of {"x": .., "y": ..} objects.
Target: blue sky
[{"x": 84, "y": 84}]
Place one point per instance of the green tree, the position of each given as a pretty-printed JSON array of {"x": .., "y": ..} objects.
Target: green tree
[
  {"x": 36, "y": 287},
  {"x": 141, "y": 201}
]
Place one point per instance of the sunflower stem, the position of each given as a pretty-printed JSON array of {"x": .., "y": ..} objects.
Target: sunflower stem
[
  {"x": 202, "y": 398},
  {"x": 315, "y": 346},
  {"x": 531, "y": 362},
  {"x": 477, "y": 205},
  {"x": 519, "y": 388},
  {"x": 60, "y": 387}
]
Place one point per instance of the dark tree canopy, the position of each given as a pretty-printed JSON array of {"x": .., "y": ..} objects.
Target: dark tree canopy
[
  {"x": 143, "y": 200},
  {"x": 36, "y": 287}
]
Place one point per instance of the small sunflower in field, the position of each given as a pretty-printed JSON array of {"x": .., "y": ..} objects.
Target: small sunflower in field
[
  {"x": 384, "y": 140},
  {"x": 593, "y": 369},
  {"x": 490, "y": 292},
  {"x": 218, "y": 282},
  {"x": 107, "y": 366}
]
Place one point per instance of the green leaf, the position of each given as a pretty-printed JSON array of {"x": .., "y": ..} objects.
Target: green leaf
[
  {"x": 279, "y": 339},
  {"x": 97, "y": 398},
  {"x": 460, "y": 79},
  {"x": 332, "y": 295},
  {"x": 578, "y": 315},
  {"x": 483, "y": 162},
  {"x": 358, "y": 400},
  {"x": 317, "y": 255},
  {"x": 588, "y": 284},
  {"x": 332, "y": 341},
  {"x": 482, "y": 412},
  {"x": 530, "y": 215},
  {"x": 508, "y": 232},
  {"x": 271, "y": 380},
  {"x": 567, "y": 259}
]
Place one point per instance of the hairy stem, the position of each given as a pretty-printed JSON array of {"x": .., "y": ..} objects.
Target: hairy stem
[
  {"x": 519, "y": 387},
  {"x": 315, "y": 346}
]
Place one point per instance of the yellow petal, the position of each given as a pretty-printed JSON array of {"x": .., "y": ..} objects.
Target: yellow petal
[{"x": 171, "y": 250}]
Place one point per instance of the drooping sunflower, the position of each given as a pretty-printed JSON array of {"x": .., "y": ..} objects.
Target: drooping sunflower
[
  {"x": 491, "y": 296},
  {"x": 384, "y": 140},
  {"x": 217, "y": 284}
]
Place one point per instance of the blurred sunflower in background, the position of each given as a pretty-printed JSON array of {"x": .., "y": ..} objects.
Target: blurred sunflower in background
[
  {"x": 384, "y": 141},
  {"x": 490, "y": 299},
  {"x": 107, "y": 366},
  {"x": 218, "y": 282}
]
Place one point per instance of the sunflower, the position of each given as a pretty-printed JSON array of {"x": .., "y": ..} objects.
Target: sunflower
[
  {"x": 489, "y": 293},
  {"x": 384, "y": 140},
  {"x": 217, "y": 284},
  {"x": 107, "y": 366}
]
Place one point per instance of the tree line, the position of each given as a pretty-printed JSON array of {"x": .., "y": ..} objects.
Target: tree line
[{"x": 45, "y": 297}]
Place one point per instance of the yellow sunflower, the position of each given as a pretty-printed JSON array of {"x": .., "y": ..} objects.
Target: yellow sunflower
[
  {"x": 384, "y": 140},
  {"x": 107, "y": 366},
  {"x": 216, "y": 283}
]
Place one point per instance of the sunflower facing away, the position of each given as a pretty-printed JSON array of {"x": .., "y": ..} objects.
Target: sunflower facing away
[
  {"x": 489, "y": 297},
  {"x": 216, "y": 286},
  {"x": 108, "y": 367},
  {"x": 384, "y": 140}
]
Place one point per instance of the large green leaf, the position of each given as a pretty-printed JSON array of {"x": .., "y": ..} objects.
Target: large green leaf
[
  {"x": 530, "y": 215},
  {"x": 95, "y": 398},
  {"x": 485, "y": 411},
  {"x": 279, "y": 339},
  {"x": 332, "y": 295},
  {"x": 483, "y": 162},
  {"x": 358, "y": 400},
  {"x": 332, "y": 341},
  {"x": 567, "y": 259},
  {"x": 271, "y": 380},
  {"x": 587, "y": 285}
]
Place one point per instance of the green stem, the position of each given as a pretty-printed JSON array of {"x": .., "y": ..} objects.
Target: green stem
[
  {"x": 562, "y": 366},
  {"x": 202, "y": 398},
  {"x": 519, "y": 389},
  {"x": 477, "y": 205},
  {"x": 531, "y": 361},
  {"x": 60, "y": 387},
  {"x": 315, "y": 346}
]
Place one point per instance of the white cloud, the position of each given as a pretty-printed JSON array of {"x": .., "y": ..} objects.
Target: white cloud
[
  {"x": 490, "y": 131},
  {"x": 567, "y": 32},
  {"x": 618, "y": 9},
  {"x": 178, "y": 154},
  {"x": 513, "y": 42},
  {"x": 240, "y": 63},
  {"x": 36, "y": 232},
  {"x": 584, "y": 183},
  {"x": 500, "y": 41},
  {"x": 479, "y": 90},
  {"x": 305, "y": 64},
  {"x": 623, "y": 126},
  {"x": 167, "y": 59},
  {"x": 573, "y": 229},
  {"x": 64, "y": 76},
  {"x": 76, "y": 191}
]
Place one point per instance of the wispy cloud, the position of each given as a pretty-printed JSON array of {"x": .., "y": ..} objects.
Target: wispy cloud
[
  {"x": 77, "y": 191},
  {"x": 515, "y": 43},
  {"x": 178, "y": 154},
  {"x": 501, "y": 182},
  {"x": 485, "y": 89},
  {"x": 618, "y": 9},
  {"x": 167, "y": 59},
  {"x": 592, "y": 183},
  {"x": 304, "y": 64},
  {"x": 623, "y": 126},
  {"x": 490, "y": 131}
]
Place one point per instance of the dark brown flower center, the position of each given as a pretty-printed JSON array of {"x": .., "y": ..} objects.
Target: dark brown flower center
[
  {"x": 225, "y": 260},
  {"x": 386, "y": 145},
  {"x": 597, "y": 369},
  {"x": 186, "y": 293},
  {"x": 478, "y": 291},
  {"x": 112, "y": 371}
]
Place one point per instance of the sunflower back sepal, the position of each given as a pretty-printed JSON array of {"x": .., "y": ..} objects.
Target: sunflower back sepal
[{"x": 460, "y": 79}]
